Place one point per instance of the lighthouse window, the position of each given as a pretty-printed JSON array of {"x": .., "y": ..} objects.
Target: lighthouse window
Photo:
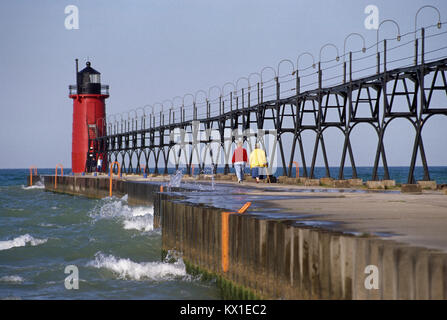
[{"x": 95, "y": 78}]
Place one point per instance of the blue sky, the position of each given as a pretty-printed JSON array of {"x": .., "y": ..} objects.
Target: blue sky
[{"x": 148, "y": 51}]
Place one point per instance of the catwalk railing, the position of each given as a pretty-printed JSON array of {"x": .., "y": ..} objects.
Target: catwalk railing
[{"x": 403, "y": 77}]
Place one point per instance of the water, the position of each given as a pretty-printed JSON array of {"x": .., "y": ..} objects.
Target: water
[
  {"x": 115, "y": 247},
  {"x": 176, "y": 176},
  {"x": 175, "y": 179},
  {"x": 210, "y": 171}
]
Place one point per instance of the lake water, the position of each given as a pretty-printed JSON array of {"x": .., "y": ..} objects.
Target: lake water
[{"x": 114, "y": 246}]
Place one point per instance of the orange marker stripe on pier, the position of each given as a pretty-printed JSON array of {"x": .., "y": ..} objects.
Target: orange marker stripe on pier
[
  {"x": 112, "y": 165},
  {"x": 31, "y": 174},
  {"x": 226, "y": 235},
  {"x": 297, "y": 172},
  {"x": 225, "y": 241},
  {"x": 55, "y": 174},
  {"x": 244, "y": 207}
]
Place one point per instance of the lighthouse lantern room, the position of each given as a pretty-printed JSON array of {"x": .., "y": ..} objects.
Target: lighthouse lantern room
[{"x": 89, "y": 120}]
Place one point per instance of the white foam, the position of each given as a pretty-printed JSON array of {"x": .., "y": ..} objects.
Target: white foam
[
  {"x": 38, "y": 185},
  {"x": 144, "y": 223},
  {"x": 142, "y": 219},
  {"x": 128, "y": 269},
  {"x": 21, "y": 242},
  {"x": 139, "y": 218},
  {"x": 142, "y": 211},
  {"x": 13, "y": 279},
  {"x": 47, "y": 225}
]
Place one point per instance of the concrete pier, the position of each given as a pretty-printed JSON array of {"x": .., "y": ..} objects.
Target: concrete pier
[{"x": 295, "y": 242}]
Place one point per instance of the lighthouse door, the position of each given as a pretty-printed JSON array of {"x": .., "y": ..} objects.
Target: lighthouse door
[{"x": 92, "y": 148}]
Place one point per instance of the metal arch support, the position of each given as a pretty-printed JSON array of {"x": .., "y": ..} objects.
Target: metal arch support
[
  {"x": 149, "y": 106},
  {"x": 242, "y": 78},
  {"x": 313, "y": 101},
  {"x": 187, "y": 95},
  {"x": 200, "y": 91},
  {"x": 214, "y": 87},
  {"x": 173, "y": 101},
  {"x": 285, "y": 60},
  {"x": 225, "y": 85},
  {"x": 267, "y": 68},
  {"x": 346, "y": 39},
  {"x": 378, "y": 29},
  {"x": 326, "y": 46},
  {"x": 301, "y": 55},
  {"x": 417, "y": 13}
]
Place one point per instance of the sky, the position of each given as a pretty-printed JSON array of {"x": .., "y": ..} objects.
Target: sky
[{"x": 149, "y": 51}]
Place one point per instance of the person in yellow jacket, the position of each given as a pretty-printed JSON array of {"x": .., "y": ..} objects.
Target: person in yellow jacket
[{"x": 257, "y": 162}]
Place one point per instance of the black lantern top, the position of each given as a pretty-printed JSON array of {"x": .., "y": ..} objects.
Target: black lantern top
[{"x": 89, "y": 80}]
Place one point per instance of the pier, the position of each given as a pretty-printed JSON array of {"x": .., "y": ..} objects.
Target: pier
[{"x": 293, "y": 241}]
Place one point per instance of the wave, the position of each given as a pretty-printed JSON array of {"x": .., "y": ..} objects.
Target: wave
[
  {"x": 13, "y": 279},
  {"x": 21, "y": 242},
  {"x": 145, "y": 223},
  {"x": 47, "y": 225},
  {"x": 138, "y": 218},
  {"x": 38, "y": 185},
  {"x": 142, "y": 219},
  {"x": 128, "y": 269}
]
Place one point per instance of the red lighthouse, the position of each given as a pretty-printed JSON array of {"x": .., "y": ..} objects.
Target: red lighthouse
[{"x": 89, "y": 119}]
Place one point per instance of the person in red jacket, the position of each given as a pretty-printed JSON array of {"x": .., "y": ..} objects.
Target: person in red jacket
[{"x": 239, "y": 160}]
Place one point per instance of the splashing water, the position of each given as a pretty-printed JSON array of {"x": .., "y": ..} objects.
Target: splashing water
[
  {"x": 21, "y": 242},
  {"x": 194, "y": 185},
  {"x": 128, "y": 269},
  {"x": 138, "y": 218},
  {"x": 210, "y": 171},
  {"x": 37, "y": 185},
  {"x": 175, "y": 179}
]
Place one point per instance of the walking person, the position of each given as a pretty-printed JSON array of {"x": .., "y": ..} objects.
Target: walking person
[
  {"x": 239, "y": 160},
  {"x": 99, "y": 164},
  {"x": 257, "y": 162}
]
